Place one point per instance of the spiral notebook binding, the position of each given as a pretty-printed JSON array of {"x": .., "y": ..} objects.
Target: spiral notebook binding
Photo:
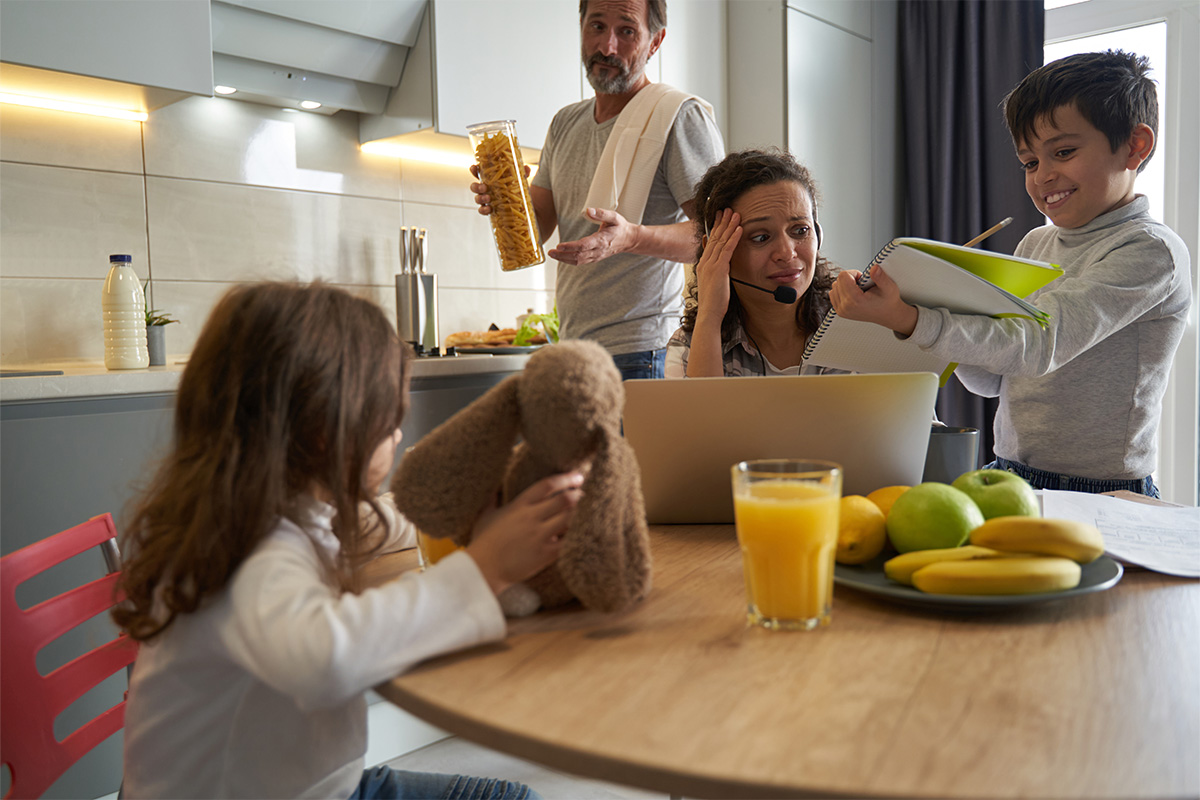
[{"x": 831, "y": 315}]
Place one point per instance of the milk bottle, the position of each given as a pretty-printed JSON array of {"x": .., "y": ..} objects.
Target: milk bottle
[{"x": 124, "y": 306}]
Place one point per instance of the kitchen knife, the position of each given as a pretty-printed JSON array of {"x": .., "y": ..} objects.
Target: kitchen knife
[{"x": 403, "y": 251}]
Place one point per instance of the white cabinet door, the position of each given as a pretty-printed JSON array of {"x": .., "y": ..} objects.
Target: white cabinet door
[
  {"x": 165, "y": 45},
  {"x": 829, "y": 130},
  {"x": 505, "y": 59}
]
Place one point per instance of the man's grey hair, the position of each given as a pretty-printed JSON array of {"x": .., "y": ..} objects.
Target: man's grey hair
[{"x": 656, "y": 14}]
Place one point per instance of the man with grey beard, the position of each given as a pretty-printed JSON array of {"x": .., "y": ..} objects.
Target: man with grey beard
[{"x": 619, "y": 279}]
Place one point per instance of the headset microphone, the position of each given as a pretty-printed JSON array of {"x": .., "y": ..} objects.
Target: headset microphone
[{"x": 782, "y": 294}]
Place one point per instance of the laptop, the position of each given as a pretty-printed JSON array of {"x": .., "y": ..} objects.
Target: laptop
[{"x": 688, "y": 433}]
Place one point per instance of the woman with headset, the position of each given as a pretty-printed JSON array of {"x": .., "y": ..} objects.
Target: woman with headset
[{"x": 761, "y": 287}]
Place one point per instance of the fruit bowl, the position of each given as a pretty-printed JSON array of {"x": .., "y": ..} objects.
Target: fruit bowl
[{"x": 1101, "y": 574}]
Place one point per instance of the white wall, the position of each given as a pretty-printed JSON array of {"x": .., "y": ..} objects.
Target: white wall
[{"x": 209, "y": 192}]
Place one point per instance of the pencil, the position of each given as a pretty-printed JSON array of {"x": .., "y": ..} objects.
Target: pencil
[{"x": 988, "y": 232}]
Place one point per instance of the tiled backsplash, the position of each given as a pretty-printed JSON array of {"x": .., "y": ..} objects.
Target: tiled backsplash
[{"x": 210, "y": 192}]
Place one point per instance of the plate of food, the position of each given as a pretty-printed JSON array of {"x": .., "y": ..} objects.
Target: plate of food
[
  {"x": 1101, "y": 574},
  {"x": 497, "y": 341}
]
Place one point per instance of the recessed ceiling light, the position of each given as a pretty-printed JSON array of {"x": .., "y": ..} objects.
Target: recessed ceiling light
[
  {"x": 224, "y": 89},
  {"x": 309, "y": 104}
]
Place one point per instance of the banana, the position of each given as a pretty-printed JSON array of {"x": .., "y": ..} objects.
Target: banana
[
  {"x": 901, "y": 567},
  {"x": 1077, "y": 541},
  {"x": 1015, "y": 575}
]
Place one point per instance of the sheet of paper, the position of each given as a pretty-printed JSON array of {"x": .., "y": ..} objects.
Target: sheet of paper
[{"x": 1163, "y": 538}]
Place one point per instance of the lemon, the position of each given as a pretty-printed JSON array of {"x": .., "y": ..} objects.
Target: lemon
[
  {"x": 862, "y": 530},
  {"x": 885, "y": 496}
]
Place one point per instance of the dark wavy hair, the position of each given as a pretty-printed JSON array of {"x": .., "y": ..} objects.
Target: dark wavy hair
[
  {"x": 1112, "y": 90},
  {"x": 289, "y": 386},
  {"x": 723, "y": 184}
]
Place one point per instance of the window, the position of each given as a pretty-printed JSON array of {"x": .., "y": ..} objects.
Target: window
[{"x": 1145, "y": 40}]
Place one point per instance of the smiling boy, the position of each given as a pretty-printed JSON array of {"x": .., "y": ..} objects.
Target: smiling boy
[{"x": 1080, "y": 400}]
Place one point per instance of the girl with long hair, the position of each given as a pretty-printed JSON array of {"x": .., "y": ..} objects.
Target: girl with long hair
[{"x": 243, "y": 561}]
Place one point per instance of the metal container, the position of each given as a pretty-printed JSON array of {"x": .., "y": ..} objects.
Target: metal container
[
  {"x": 417, "y": 310},
  {"x": 514, "y": 224}
]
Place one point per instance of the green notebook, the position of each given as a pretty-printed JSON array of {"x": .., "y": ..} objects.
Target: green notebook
[{"x": 933, "y": 274}]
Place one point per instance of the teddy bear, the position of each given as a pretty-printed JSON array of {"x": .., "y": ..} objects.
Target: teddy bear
[{"x": 561, "y": 413}]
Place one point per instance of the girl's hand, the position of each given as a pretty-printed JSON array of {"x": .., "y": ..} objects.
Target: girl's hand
[
  {"x": 880, "y": 303},
  {"x": 516, "y": 541},
  {"x": 712, "y": 270}
]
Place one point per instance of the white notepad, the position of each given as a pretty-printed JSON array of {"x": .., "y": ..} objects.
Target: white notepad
[
  {"x": 688, "y": 433},
  {"x": 934, "y": 275}
]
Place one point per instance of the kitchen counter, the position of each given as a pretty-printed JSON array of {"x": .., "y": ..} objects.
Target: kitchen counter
[{"x": 91, "y": 379}]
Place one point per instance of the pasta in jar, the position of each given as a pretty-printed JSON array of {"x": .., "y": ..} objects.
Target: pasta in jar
[{"x": 514, "y": 225}]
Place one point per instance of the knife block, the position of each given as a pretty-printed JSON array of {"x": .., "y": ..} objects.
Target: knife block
[{"x": 417, "y": 310}]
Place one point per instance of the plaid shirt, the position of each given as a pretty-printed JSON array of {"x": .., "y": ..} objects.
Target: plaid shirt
[{"x": 739, "y": 355}]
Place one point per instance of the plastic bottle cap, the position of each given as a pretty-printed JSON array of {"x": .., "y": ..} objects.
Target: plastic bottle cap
[{"x": 119, "y": 258}]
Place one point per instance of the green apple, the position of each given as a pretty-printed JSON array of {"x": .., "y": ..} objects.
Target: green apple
[
  {"x": 931, "y": 516},
  {"x": 999, "y": 493}
]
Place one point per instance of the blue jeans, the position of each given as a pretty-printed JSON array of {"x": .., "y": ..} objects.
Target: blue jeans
[
  {"x": 1041, "y": 479},
  {"x": 386, "y": 783},
  {"x": 644, "y": 364}
]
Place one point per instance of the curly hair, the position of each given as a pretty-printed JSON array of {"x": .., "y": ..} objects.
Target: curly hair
[
  {"x": 720, "y": 187},
  {"x": 289, "y": 386},
  {"x": 1112, "y": 91}
]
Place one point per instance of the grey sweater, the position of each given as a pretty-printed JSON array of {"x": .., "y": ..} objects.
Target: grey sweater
[{"x": 1084, "y": 395}]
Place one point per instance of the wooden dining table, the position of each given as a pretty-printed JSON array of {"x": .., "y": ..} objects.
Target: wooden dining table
[{"x": 1095, "y": 695}]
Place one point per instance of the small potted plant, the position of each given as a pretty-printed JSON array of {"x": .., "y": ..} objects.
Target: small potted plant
[{"x": 155, "y": 338}]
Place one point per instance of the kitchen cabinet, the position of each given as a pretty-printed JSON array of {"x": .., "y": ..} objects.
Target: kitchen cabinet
[
  {"x": 824, "y": 87},
  {"x": 479, "y": 60},
  {"x": 145, "y": 54}
]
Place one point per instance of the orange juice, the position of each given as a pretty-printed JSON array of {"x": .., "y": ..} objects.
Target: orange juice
[
  {"x": 788, "y": 535},
  {"x": 434, "y": 550}
]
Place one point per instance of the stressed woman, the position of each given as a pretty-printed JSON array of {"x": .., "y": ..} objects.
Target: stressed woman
[{"x": 761, "y": 287}]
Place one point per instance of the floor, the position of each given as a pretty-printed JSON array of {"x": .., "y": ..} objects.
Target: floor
[{"x": 456, "y": 755}]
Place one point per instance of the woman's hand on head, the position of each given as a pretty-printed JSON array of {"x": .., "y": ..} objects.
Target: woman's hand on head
[
  {"x": 712, "y": 270},
  {"x": 880, "y": 304},
  {"x": 516, "y": 541}
]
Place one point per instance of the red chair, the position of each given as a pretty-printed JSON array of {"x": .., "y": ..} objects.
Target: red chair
[{"x": 31, "y": 701}]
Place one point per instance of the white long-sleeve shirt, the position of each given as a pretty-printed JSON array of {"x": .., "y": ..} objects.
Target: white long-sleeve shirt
[{"x": 260, "y": 693}]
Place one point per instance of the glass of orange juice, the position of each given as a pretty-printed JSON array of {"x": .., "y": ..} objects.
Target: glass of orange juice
[
  {"x": 786, "y": 514},
  {"x": 433, "y": 550}
]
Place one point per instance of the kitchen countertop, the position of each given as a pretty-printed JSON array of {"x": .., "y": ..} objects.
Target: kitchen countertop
[{"x": 91, "y": 379}]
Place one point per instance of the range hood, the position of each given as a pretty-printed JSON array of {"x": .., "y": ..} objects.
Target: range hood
[{"x": 345, "y": 55}]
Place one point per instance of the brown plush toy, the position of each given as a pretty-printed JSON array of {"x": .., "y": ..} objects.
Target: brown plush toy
[{"x": 566, "y": 410}]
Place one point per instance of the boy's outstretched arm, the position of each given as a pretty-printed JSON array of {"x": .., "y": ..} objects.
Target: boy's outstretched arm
[{"x": 881, "y": 303}]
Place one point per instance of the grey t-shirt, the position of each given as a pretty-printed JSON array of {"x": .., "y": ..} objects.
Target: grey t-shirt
[{"x": 627, "y": 303}]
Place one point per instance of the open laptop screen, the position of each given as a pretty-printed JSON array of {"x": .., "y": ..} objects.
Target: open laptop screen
[{"x": 687, "y": 433}]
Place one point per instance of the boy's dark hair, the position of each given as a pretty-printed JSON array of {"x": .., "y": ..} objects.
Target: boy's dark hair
[
  {"x": 1112, "y": 91},
  {"x": 656, "y": 14}
]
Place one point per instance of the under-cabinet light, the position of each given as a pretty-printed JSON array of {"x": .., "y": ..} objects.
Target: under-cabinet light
[
  {"x": 310, "y": 104},
  {"x": 224, "y": 89},
  {"x": 447, "y": 157},
  {"x": 74, "y": 108}
]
